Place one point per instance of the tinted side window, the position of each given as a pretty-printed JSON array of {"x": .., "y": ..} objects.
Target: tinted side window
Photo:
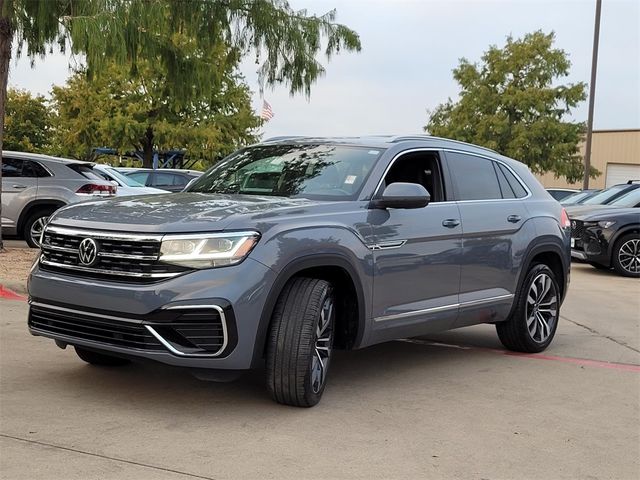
[
  {"x": 475, "y": 177},
  {"x": 11, "y": 167},
  {"x": 165, "y": 179},
  {"x": 34, "y": 169},
  {"x": 514, "y": 183},
  {"x": 505, "y": 187},
  {"x": 140, "y": 177}
]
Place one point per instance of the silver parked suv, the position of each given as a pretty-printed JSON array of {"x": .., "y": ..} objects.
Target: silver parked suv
[
  {"x": 289, "y": 249},
  {"x": 34, "y": 186}
]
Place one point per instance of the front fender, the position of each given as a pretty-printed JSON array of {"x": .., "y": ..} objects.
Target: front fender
[{"x": 290, "y": 252}]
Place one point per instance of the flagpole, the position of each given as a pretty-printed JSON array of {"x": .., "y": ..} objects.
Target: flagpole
[{"x": 592, "y": 95}]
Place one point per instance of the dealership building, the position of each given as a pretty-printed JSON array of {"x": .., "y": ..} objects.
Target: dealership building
[{"x": 615, "y": 153}]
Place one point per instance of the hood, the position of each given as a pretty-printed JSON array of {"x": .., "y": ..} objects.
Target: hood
[
  {"x": 609, "y": 213},
  {"x": 172, "y": 212},
  {"x": 576, "y": 210}
]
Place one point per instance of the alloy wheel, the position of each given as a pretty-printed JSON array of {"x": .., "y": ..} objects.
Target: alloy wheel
[
  {"x": 322, "y": 351},
  {"x": 542, "y": 308},
  {"x": 36, "y": 229},
  {"x": 629, "y": 255}
]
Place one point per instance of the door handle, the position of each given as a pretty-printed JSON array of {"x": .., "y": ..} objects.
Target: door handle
[
  {"x": 514, "y": 218},
  {"x": 19, "y": 187},
  {"x": 451, "y": 222}
]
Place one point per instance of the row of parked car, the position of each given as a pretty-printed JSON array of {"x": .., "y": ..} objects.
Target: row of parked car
[
  {"x": 605, "y": 226},
  {"x": 34, "y": 186}
]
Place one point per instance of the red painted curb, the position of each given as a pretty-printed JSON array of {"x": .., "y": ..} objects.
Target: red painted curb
[{"x": 10, "y": 294}]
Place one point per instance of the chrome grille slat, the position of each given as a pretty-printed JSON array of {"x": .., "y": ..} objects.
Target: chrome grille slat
[{"x": 132, "y": 257}]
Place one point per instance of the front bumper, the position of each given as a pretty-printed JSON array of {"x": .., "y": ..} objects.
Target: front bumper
[{"x": 156, "y": 321}]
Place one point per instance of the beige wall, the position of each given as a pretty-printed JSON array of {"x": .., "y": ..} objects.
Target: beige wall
[{"x": 608, "y": 146}]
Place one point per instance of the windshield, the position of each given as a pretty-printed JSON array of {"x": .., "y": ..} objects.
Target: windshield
[
  {"x": 322, "y": 172},
  {"x": 602, "y": 197},
  {"x": 120, "y": 178},
  {"x": 576, "y": 198},
  {"x": 628, "y": 200}
]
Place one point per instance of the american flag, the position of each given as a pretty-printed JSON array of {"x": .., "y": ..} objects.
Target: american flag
[{"x": 267, "y": 112}]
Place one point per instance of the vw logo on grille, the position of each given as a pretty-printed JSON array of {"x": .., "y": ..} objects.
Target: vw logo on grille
[
  {"x": 573, "y": 224},
  {"x": 88, "y": 251}
]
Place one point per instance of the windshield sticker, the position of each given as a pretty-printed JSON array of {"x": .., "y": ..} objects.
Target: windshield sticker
[{"x": 350, "y": 180}]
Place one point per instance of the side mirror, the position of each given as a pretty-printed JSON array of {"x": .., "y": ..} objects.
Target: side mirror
[{"x": 403, "y": 195}]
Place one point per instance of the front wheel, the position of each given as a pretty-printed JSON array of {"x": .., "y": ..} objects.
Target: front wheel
[
  {"x": 626, "y": 255},
  {"x": 534, "y": 320},
  {"x": 300, "y": 342}
]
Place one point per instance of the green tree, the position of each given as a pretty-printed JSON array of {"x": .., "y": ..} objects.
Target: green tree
[
  {"x": 512, "y": 102},
  {"x": 131, "y": 113},
  {"x": 27, "y": 123},
  {"x": 176, "y": 35}
]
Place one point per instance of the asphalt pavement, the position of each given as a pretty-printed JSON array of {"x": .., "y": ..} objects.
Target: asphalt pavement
[{"x": 454, "y": 405}]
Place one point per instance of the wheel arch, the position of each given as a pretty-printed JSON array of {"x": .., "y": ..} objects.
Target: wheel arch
[
  {"x": 553, "y": 254},
  {"x": 330, "y": 267},
  {"x": 34, "y": 206},
  {"x": 631, "y": 228}
]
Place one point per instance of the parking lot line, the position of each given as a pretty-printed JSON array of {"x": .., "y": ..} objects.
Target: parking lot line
[{"x": 583, "y": 362}]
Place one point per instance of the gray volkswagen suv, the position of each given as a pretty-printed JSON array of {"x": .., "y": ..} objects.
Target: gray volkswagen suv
[{"x": 292, "y": 248}]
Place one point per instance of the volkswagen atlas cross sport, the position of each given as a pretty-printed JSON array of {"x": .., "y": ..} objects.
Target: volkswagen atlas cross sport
[{"x": 290, "y": 249}]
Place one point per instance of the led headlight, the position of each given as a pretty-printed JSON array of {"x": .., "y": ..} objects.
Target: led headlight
[
  {"x": 606, "y": 224},
  {"x": 207, "y": 250}
]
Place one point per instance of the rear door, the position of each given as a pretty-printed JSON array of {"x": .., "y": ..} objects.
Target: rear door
[
  {"x": 495, "y": 235},
  {"x": 19, "y": 187}
]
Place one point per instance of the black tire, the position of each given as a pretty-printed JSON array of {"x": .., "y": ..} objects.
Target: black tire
[
  {"x": 629, "y": 242},
  {"x": 39, "y": 217},
  {"x": 293, "y": 376},
  {"x": 515, "y": 333},
  {"x": 95, "y": 358},
  {"x": 599, "y": 266}
]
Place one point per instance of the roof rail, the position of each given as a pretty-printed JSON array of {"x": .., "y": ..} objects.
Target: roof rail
[
  {"x": 420, "y": 136},
  {"x": 284, "y": 137}
]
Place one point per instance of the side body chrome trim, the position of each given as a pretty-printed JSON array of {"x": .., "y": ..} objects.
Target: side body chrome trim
[
  {"x": 452, "y": 150},
  {"x": 175, "y": 351},
  {"x": 442, "y": 308},
  {"x": 387, "y": 245}
]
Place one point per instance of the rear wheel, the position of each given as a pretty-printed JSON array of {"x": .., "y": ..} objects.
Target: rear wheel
[
  {"x": 34, "y": 225},
  {"x": 533, "y": 323},
  {"x": 626, "y": 255},
  {"x": 300, "y": 342},
  {"x": 95, "y": 358}
]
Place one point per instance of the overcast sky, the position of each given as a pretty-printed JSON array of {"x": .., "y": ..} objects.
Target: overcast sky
[{"x": 408, "y": 51}]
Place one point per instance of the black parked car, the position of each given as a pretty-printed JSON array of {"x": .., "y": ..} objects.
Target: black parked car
[
  {"x": 609, "y": 236},
  {"x": 604, "y": 197}
]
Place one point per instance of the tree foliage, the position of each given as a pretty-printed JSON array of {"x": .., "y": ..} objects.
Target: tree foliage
[
  {"x": 133, "y": 113},
  {"x": 27, "y": 122},
  {"x": 512, "y": 102},
  {"x": 176, "y": 36}
]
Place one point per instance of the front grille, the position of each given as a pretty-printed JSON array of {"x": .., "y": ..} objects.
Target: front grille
[
  {"x": 74, "y": 324},
  {"x": 577, "y": 229},
  {"x": 119, "y": 256}
]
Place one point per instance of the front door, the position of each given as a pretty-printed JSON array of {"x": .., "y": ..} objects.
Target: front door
[{"x": 416, "y": 255}]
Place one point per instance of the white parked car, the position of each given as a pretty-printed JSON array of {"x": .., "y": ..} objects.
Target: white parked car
[{"x": 126, "y": 185}]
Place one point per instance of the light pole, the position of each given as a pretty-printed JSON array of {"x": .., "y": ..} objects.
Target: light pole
[{"x": 592, "y": 94}]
